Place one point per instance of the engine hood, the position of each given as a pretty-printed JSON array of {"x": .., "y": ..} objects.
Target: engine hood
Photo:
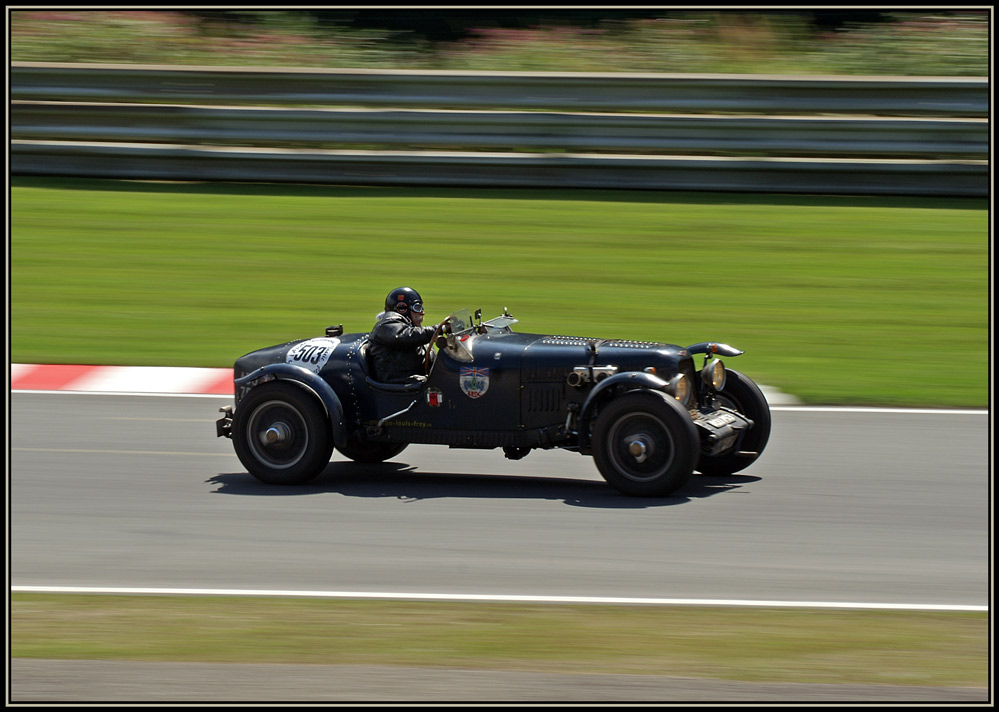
[{"x": 552, "y": 357}]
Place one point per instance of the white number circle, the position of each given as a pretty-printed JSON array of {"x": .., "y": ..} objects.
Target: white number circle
[{"x": 312, "y": 354}]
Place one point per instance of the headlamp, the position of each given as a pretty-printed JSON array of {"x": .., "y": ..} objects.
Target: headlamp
[
  {"x": 680, "y": 387},
  {"x": 713, "y": 374}
]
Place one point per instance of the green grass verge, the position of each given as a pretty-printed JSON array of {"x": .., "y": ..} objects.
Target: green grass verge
[
  {"x": 776, "y": 645},
  {"x": 879, "y": 301}
]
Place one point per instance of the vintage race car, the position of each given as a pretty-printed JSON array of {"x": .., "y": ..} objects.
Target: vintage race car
[{"x": 648, "y": 416}]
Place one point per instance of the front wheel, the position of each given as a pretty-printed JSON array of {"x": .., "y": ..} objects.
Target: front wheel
[
  {"x": 645, "y": 444},
  {"x": 281, "y": 434},
  {"x": 745, "y": 397}
]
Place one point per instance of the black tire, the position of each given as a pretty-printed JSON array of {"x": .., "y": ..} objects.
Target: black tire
[
  {"x": 301, "y": 441},
  {"x": 371, "y": 452},
  {"x": 645, "y": 444},
  {"x": 745, "y": 397}
]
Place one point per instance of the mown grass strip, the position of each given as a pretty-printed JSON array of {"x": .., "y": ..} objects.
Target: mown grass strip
[
  {"x": 875, "y": 301},
  {"x": 860, "y": 647}
]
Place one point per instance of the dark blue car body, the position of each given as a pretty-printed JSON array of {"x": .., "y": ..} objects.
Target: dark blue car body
[{"x": 491, "y": 387}]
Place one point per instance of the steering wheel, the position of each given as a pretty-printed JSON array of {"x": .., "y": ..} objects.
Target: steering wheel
[{"x": 438, "y": 330}]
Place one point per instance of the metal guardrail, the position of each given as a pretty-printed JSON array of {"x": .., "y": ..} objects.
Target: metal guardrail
[
  {"x": 81, "y": 120},
  {"x": 683, "y": 93},
  {"x": 461, "y": 130},
  {"x": 802, "y": 175}
]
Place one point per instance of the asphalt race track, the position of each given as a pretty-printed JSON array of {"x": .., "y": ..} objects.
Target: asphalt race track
[{"x": 844, "y": 507}]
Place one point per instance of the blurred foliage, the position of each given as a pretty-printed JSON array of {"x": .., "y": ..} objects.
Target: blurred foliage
[{"x": 930, "y": 42}]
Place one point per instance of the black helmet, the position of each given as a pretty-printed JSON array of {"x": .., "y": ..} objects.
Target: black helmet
[{"x": 404, "y": 297}]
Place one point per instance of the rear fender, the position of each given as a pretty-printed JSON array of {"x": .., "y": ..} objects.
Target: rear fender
[{"x": 309, "y": 381}]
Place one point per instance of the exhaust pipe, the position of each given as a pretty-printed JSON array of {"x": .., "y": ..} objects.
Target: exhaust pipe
[{"x": 588, "y": 374}]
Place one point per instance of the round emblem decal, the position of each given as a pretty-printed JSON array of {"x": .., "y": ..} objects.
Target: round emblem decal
[{"x": 474, "y": 381}]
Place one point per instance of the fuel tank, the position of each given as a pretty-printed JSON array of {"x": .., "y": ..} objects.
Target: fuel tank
[{"x": 322, "y": 355}]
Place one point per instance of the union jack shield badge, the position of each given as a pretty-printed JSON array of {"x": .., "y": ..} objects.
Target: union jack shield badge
[{"x": 474, "y": 381}]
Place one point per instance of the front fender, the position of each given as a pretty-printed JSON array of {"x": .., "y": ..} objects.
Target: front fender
[
  {"x": 712, "y": 347},
  {"x": 629, "y": 379},
  {"x": 310, "y": 381}
]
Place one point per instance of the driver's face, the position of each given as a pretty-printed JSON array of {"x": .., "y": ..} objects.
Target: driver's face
[{"x": 416, "y": 317}]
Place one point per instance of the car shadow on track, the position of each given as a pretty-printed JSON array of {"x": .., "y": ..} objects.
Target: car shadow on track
[{"x": 405, "y": 483}]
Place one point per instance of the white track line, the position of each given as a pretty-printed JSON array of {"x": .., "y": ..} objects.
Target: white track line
[{"x": 496, "y": 598}]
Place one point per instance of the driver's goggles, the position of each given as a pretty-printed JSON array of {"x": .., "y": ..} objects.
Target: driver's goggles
[{"x": 417, "y": 307}]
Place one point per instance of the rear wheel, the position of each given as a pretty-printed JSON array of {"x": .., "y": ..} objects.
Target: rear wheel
[
  {"x": 745, "y": 397},
  {"x": 644, "y": 444},
  {"x": 281, "y": 434}
]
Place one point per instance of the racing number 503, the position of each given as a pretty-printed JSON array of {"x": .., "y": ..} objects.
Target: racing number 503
[{"x": 311, "y": 354}]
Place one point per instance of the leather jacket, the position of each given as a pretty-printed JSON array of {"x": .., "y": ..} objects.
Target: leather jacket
[{"x": 397, "y": 348}]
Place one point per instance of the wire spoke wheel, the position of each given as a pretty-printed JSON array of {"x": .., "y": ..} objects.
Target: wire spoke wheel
[
  {"x": 281, "y": 434},
  {"x": 645, "y": 444},
  {"x": 641, "y": 446},
  {"x": 277, "y": 434}
]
